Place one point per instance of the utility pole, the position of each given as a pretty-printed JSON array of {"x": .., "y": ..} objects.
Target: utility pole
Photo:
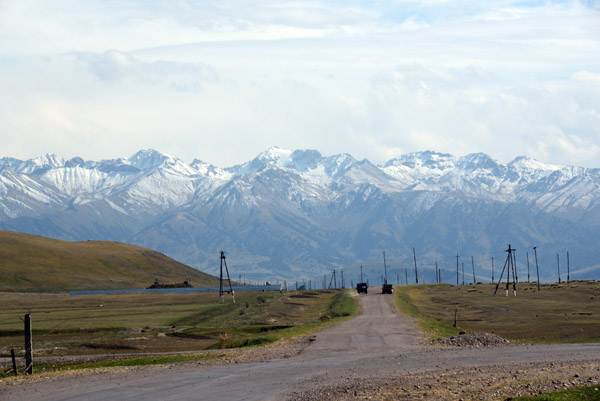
[
  {"x": 537, "y": 269},
  {"x": 343, "y": 282},
  {"x": 361, "y": 277},
  {"x": 28, "y": 346},
  {"x": 492, "y": 269},
  {"x": 568, "y": 269},
  {"x": 384, "y": 268},
  {"x": 463, "y": 273},
  {"x": 221, "y": 291},
  {"x": 527, "y": 254},
  {"x": 416, "y": 271},
  {"x": 333, "y": 279},
  {"x": 558, "y": 267},
  {"x": 457, "y": 268},
  {"x": 515, "y": 273},
  {"x": 437, "y": 277},
  {"x": 406, "y": 274},
  {"x": 473, "y": 265},
  {"x": 514, "y": 270},
  {"x": 510, "y": 264}
]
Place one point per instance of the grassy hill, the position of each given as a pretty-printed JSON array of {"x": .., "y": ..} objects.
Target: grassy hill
[{"x": 31, "y": 263}]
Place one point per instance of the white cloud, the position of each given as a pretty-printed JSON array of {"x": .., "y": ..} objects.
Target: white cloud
[
  {"x": 114, "y": 67},
  {"x": 224, "y": 80}
]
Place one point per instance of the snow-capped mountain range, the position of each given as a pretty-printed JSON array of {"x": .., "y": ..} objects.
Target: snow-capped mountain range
[{"x": 295, "y": 214}]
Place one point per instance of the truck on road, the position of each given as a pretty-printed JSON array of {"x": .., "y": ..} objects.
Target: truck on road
[{"x": 362, "y": 288}]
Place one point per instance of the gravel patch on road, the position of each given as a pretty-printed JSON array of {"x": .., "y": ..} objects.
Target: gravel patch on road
[
  {"x": 473, "y": 340},
  {"x": 486, "y": 383}
]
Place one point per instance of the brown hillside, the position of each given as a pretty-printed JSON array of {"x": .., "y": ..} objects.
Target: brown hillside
[{"x": 31, "y": 263}]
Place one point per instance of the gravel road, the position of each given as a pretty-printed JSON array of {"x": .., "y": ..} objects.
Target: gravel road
[{"x": 377, "y": 355}]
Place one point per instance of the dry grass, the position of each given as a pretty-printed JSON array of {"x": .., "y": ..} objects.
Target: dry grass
[
  {"x": 149, "y": 323},
  {"x": 562, "y": 313},
  {"x": 34, "y": 264}
]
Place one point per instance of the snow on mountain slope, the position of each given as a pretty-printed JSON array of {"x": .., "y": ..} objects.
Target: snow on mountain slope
[
  {"x": 152, "y": 179},
  {"x": 547, "y": 187},
  {"x": 146, "y": 180},
  {"x": 283, "y": 208},
  {"x": 37, "y": 164}
]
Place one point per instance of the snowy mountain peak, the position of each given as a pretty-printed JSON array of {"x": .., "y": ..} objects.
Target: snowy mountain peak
[
  {"x": 149, "y": 159},
  {"x": 39, "y": 164},
  {"x": 480, "y": 161},
  {"x": 528, "y": 163},
  {"x": 197, "y": 163},
  {"x": 276, "y": 155},
  {"x": 209, "y": 170}
]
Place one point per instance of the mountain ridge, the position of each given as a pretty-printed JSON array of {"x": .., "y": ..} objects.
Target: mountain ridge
[{"x": 302, "y": 205}]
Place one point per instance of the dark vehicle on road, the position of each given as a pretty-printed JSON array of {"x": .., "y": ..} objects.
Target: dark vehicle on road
[
  {"x": 387, "y": 289},
  {"x": 362, "y": 288}
]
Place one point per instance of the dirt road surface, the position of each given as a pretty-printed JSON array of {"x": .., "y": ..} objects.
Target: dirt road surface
[{"x": 377, "y": 355}]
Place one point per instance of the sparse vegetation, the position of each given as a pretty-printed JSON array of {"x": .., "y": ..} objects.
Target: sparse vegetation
[
  {"x": 562, "y": 313},
  {"x": 123, "y": 324},
  {"x": 408, "y": 299},
  {"x": 586, "y": 393}
]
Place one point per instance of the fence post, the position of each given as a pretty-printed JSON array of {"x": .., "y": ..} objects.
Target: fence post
[
  {"x": 14, "y": 362},
  {"x": 28, "y": 351},
  {"x": 455, "y": 315}
]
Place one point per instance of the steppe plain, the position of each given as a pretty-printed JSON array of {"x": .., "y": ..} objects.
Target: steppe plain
[{"x": 379, "y": 354}]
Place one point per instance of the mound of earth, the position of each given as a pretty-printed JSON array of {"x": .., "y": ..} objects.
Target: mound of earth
[{"x": 473, "y": 340}]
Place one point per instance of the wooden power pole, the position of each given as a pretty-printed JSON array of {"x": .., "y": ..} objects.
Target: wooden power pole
[
  {"x": 457, "y": 269},
  {"x": 28, "y": 346},
  {"x": 416, "y": 271},
  {"x": 537, "y": 269},
  {"x": 568, "y": 269},
  {"x": 221, "y": 291}
]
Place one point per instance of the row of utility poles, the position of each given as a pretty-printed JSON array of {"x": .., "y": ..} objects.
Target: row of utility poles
[{"x": 335, "y": 282}]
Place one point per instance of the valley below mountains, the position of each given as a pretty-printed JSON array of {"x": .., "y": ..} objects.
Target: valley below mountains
[{"x": 293, "y": 215}]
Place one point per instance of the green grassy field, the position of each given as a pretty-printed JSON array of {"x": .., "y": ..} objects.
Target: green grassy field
[
  {"x": 30, "y": 263},
  {"x": 156, "y": 323},
  {"x": 561, "y": 313}
]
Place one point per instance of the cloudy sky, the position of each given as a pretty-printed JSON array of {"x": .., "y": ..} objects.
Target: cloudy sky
[{"x": 223, "y": 80}]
